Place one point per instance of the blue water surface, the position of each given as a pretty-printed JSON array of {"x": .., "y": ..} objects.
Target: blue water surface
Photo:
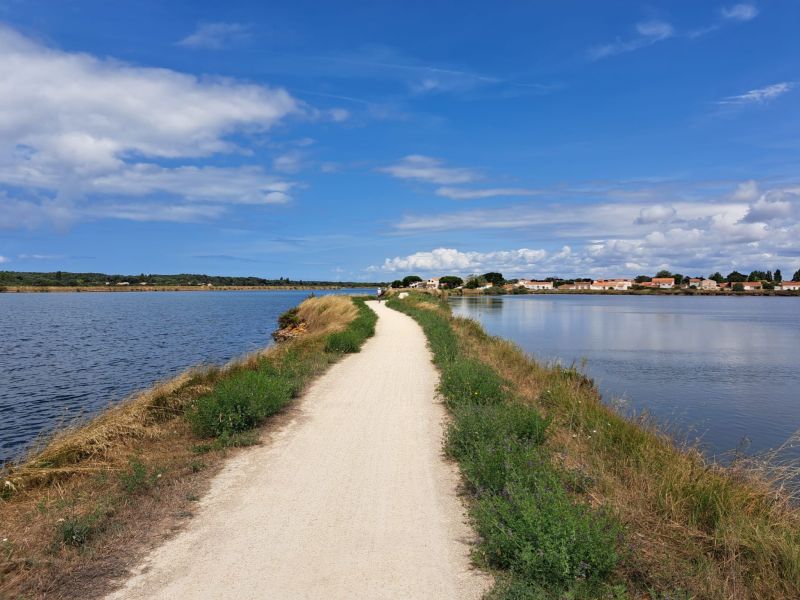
[
  {"x": 721, "y": 370},
  {"x": 65, "y": 356}
]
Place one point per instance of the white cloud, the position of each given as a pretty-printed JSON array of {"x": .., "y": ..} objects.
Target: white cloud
[
  {"x": 289, "y": 162},
  {"x": 428, "y": 169},
  {"x": 657, "y": 213},
  {"x": 746, "y": 191},
  {"x": 3, "y": 259},
  {"x": 75, "y": 129},
  {"x": 451, "y": 260},
  {"x": 655, "y": 30},
  {"x": 740, "y": 12},
  {"x": 468, "y": 194},
  {"x": 721, "y": 232},
  {"x": 773, "y": 206},
  {"x": 216, "y": 35},
  {"x": 649, "y": 33},
  {"x": 759, "y": 95}
]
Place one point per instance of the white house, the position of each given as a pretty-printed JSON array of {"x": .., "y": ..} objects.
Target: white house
[
  {"x": 418, "y": 284},
  {"x": 663, "y": 282},
  {"x": 611, "y": 284},
  {"x": 535, "y": 285},
  {"x": 790, "y": 285},
  {"x": 433, "y": 283},
  {"x": 708, "y": 284},
  {"x": 751, "y": 286}
]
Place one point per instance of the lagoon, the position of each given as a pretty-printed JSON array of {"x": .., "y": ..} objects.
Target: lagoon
[
  {"x": 724, "y": 372},
  {"x": 66, "y": 356}
]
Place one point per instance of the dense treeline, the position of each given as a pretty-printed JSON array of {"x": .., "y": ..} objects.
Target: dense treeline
[{"x": 65, "y": 279}]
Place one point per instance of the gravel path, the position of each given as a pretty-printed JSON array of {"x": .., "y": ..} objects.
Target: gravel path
[{"x": 351, "y": 498}]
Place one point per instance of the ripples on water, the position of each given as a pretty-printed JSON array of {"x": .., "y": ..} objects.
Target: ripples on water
[
  {"x": 724, "y": 370},
  {"x": 68, "y": 355}
]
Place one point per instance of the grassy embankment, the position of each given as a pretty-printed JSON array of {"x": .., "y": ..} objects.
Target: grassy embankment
[
  {"x": 79, "y": 511},
  {"x": 572, "y": 500}
]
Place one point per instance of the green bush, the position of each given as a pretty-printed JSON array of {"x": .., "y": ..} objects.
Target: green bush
[
  {"x": 242, "y": 401},
  {"x": 289, "y": 319},
  {"x": 537, "y": 532},
  {"x": 469, "y": 381}
]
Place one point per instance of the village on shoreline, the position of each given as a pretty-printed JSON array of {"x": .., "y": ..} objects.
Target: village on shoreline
[{"x": 493, "y": 283}]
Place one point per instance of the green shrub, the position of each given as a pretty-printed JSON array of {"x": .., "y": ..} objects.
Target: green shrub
[
  {"x": 481, "y": 424},
  {"x": 289, "y": 319},
  {"x": 537, "y": 532},
  {"x": 76, "y": 531},
  {"x": 242, "y": 401},
  {"x": 469, "y": 381}
]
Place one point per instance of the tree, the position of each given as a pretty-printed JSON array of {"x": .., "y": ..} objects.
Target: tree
[
  {"x": 409, "y": 279},
  {"x": 678, "y": 278},
  {"x": 738, "y": 286},
  {"x": 494, "y": 278},
  {"x": 397, "y": 283},
  {"x": 735, "y": 277},
  {"x": 663, "y": 273},
  {"x": 796, "y": 276},
  {"x": 642, "y": 279},
  {"x": 475, "y": 282},
  {"x": 778, "y": 277},
  {"x": 717, "y": 277},
  {"x": 769, "y": 276},
  {"x": 449, "y": 282}
]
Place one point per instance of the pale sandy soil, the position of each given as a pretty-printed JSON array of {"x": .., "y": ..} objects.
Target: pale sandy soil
[{"x": 351, "y": 498}]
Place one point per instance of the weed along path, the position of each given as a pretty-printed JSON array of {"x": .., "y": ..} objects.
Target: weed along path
[{"x": 351, "y": 498}]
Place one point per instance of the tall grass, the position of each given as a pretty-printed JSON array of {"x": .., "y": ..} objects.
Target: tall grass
[
  {"x": 692, "y": 529},
  {"x": 532, "y": 529}
]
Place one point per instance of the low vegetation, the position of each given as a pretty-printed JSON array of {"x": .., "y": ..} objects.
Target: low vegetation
[
  {"x": 67, "y": 279},
  {"x": 86, "y": 504},
  {"x": 572, "y": 500}
]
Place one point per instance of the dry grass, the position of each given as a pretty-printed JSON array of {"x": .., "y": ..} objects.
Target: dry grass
[
  {"x": 695, "y": 529},
  {"x": 126, "y": 478}
]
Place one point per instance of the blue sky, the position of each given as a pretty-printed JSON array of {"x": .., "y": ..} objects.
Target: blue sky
[{"x": 372, "y": 140}]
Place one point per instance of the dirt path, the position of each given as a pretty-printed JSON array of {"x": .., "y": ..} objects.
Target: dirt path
[{"x": 350, "y": 499}]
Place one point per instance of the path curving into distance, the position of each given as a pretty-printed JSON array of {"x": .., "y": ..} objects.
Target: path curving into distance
[{"x": 351, "y": 498}]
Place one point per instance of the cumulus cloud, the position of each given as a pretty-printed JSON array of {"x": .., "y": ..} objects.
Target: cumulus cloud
[
  {"x": 648, "y": 33},
  {"x": 216, "y": 35},
  {"x": 746, "y": 191},
  {"x": 75, "y": 129},
  {"x": 470, "y": 194},
  {"x": 430, "y": 170},
  {"x": 657, "y": 213},
  {"x": 454, "y": 261},
  {"x": 759, "y": 95},
  {"x": 740, "y": 12},
  {"x": 773, "y": 206},
  {"x": 3, "y": 259},
  {"x": 746, "y": 229}
]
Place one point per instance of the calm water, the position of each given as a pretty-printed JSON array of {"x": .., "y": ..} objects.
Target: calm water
[
  {"x": 726, "y": 370},
  {"x": 67, "y": 355}
]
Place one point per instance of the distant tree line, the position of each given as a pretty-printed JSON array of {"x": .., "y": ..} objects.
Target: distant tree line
[{"x": 66, "y": 279}]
